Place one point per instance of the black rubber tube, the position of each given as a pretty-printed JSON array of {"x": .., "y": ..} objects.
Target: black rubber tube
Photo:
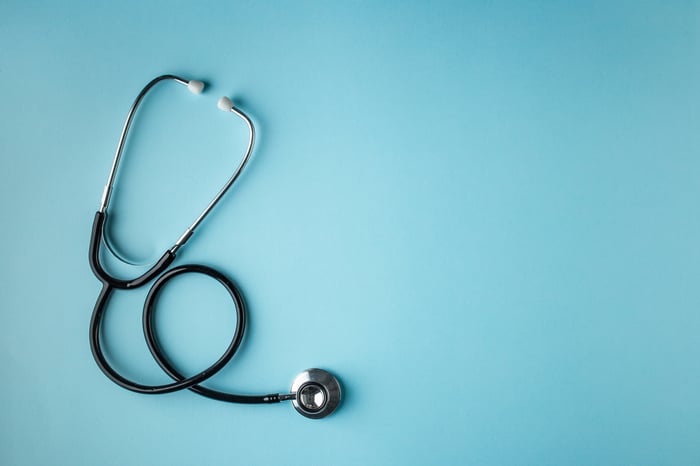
[
  {"x": 114, "y": 376},
  {"x": 96, "y": 266},
  {"x": 157, "y": 351},
  {"x": 109, "y": 284}
]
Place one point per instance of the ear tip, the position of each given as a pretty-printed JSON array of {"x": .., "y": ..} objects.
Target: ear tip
[
  {"x": 225, "y": 104},
  {"x": 195, "y": 87}
]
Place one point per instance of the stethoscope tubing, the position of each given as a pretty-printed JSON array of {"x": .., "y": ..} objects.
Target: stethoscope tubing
[{"x": 181, "y": 382}]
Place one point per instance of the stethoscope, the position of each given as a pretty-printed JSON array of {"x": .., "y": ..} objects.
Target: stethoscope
[{"x": 315, "y": 393}]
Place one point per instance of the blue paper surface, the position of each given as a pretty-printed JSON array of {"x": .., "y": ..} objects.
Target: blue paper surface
[{"x": 483, "y": 216}]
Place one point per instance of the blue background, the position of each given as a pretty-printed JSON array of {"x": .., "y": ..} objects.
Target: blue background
[{"x": 482, "y": 216}]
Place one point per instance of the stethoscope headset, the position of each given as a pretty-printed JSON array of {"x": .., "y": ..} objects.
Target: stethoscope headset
[{"x": 315, "y": 393}]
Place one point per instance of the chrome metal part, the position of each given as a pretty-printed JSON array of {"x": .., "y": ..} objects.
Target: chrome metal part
[
  {"x": 109, "y": 187},
  {"x": 318, "y": 393}
]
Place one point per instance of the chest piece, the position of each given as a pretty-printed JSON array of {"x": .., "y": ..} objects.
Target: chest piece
[{"x": 317, "y": 393}]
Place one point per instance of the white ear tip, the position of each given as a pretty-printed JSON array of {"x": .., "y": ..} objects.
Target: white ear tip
[
  {"x": 195, "y": 87},
  {"x": 225, "y": 104}
]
